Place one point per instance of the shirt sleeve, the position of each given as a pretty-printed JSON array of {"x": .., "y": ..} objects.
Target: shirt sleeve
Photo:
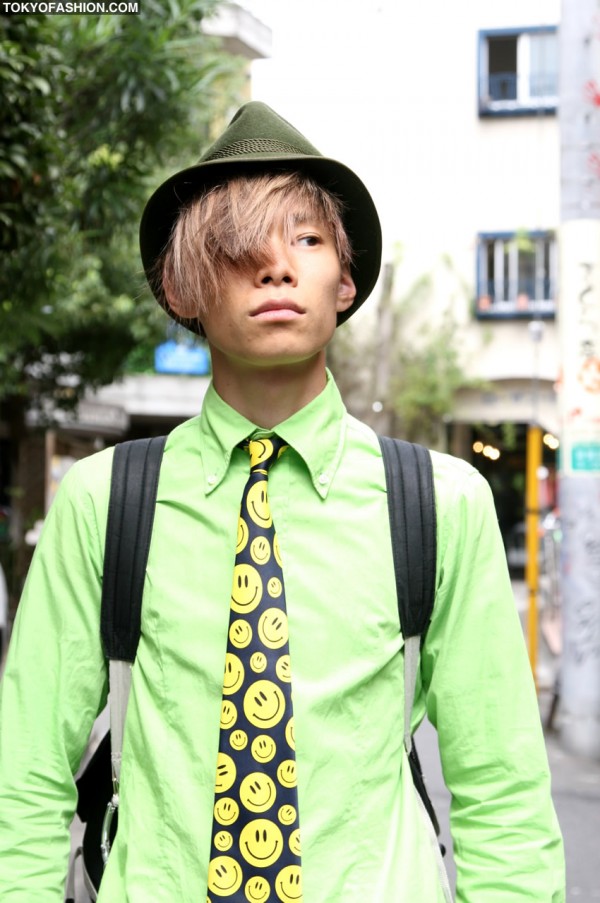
[
  {"x": 481, "y": 698},
  {"x": 53, "y": 687}
]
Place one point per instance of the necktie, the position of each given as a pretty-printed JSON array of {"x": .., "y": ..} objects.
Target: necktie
[{"x": 255, "y": 852}]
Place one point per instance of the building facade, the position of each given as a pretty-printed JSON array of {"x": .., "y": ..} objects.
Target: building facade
[
  {"x": 489, "y": 196},
  {"x": 448, "y": 111}
]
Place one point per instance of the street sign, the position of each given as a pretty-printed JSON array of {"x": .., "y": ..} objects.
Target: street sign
[{"x": 181, "y": 358}]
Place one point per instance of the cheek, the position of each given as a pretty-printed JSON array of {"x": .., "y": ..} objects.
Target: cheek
[{"x": 219, "y": 324}]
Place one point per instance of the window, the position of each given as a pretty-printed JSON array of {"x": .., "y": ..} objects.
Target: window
[
  {"x": 518, "y": 71},
  {"x": 516, "y": 274}
]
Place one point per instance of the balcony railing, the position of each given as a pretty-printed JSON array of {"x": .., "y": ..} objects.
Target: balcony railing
[
  {"x": 509, "y": 92},
  {"x": 530, "y": 297}
]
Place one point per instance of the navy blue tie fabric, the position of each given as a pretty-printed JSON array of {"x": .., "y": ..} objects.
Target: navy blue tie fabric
[{"x": 255, "y": 852}]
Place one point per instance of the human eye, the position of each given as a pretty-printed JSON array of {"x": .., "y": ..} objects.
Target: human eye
[{"x": 309, "y": 239}]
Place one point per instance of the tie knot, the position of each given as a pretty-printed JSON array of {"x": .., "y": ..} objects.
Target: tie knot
[{"x": 264, "y": 452}]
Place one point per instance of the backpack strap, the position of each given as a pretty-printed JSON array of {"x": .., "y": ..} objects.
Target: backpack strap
[
  {"x": 134, "y": 482},
  {"x": 411, "y": 506},
  {"x": 409, "y": 479},
  {"x": 132, "y": 501}
]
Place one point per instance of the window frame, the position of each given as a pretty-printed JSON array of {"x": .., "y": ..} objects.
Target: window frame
[
  {"x": 518, "y": 304},
  {"x": 525, "y": 103}
]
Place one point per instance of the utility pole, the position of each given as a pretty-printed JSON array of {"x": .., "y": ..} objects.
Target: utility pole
[{"x": 579, "y": 329}]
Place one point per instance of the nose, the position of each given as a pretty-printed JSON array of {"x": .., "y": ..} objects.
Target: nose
[{"x": 278, "y": 268}]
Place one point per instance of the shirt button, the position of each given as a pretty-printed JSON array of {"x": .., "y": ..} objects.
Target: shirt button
[
  {"x": 212, "y": 479},
  {"x": 323, "y": 479}
]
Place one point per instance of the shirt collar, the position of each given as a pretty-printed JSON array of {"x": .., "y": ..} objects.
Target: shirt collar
[{"x": 316, "y": 433}]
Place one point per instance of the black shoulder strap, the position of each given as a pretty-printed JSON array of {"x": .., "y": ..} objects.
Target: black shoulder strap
[
  {"x": 411, "y": 506},
  {"x": 134, "y": 481},
  {"x": 411, "y": 503}
]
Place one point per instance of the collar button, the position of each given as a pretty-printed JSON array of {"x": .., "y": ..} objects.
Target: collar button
[{"x": 323, "y": 479}]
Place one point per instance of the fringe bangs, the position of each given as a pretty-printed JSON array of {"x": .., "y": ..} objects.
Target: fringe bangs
[{"x": 228, "y": 229}]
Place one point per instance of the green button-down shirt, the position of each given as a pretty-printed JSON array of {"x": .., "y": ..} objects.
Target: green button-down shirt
[{"x": 363, "y": 837}]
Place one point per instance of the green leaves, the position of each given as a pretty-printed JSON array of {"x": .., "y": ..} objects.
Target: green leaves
[
  {"x": 402, "y": 374},
  {"x": 92, "y": 108},
  {"x": 427, "y": 376}
]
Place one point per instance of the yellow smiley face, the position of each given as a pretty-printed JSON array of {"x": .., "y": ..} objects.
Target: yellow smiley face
[
  {"x": 273, "y": 628},
  {"x": 228, "y": 715},
  {"x": 224, "y": 876},
  {"x": 260, "y": 450},
  {"x": 294, "y": 842},
  {"x": 258, "y": 504},
  {"x": 286, "y": 773},
  {"x": 226, "y": 772},
  {"x": 226, "y": 811},
  {"x": 287, "y": 814},
  {"x": 277, "y": 550},
  {"x": 257, "y": 889},
  {"x": 275, "y": 587},
  {"x": 240, "y": 634},
  {"x": 242, "y": 535},
  {"x": 283, "y": 669},
  {"x": 224, "y": 840},
  {"x": 238, "y": 740},
  {"x": 233, "y": 677},
  {"x": 247, "y": 588},
  {"x": 261, "y": 842},
  {"x": 260, "y": 550},
  {"x": 288, "y": 884},
  {"x": 289, "y": 733},
  {"x": 258, "y": 662},
  {"x": 258, "y": 792},
  {"x": 264, "y": 704},
  {"x": 263, "y": 748}
]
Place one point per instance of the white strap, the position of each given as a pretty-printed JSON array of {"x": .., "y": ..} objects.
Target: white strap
[
  {"x": 70, "y": 886},
  {"x": 437, "y": 853},
  {"x": 119, "y": 675},
  {"x": 412, "y": 654}
]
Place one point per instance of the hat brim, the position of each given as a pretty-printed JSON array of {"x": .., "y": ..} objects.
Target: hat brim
[{"x": 360, "y": 216}]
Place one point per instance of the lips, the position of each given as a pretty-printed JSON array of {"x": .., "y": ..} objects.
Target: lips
[{"x": 274, "y": 307}]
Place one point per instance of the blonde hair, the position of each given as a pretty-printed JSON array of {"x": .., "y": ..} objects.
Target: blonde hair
[{"x": 227, "y": 229}]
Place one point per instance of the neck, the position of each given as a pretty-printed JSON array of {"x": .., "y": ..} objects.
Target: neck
[{"x": 269, "y": 395}]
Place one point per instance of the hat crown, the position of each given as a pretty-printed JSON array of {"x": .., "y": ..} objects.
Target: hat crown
[
  {"x": 255, "y": 131},
  {"x": 248, "y": 147}
]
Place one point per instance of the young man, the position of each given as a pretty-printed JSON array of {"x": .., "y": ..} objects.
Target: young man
[{"x": 265, "y": 246}]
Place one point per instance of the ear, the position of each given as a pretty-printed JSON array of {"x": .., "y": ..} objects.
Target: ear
[
  {"x": 187, "y": 311},
  {"x": 169, "y": 287},
  {"x": 346, "y": 291}
]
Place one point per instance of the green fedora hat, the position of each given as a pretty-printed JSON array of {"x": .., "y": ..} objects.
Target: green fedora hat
[{"x": 259, "y": 140}]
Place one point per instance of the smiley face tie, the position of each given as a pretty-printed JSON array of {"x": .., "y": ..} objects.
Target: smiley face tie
[{"x": 255, "y": 851}]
